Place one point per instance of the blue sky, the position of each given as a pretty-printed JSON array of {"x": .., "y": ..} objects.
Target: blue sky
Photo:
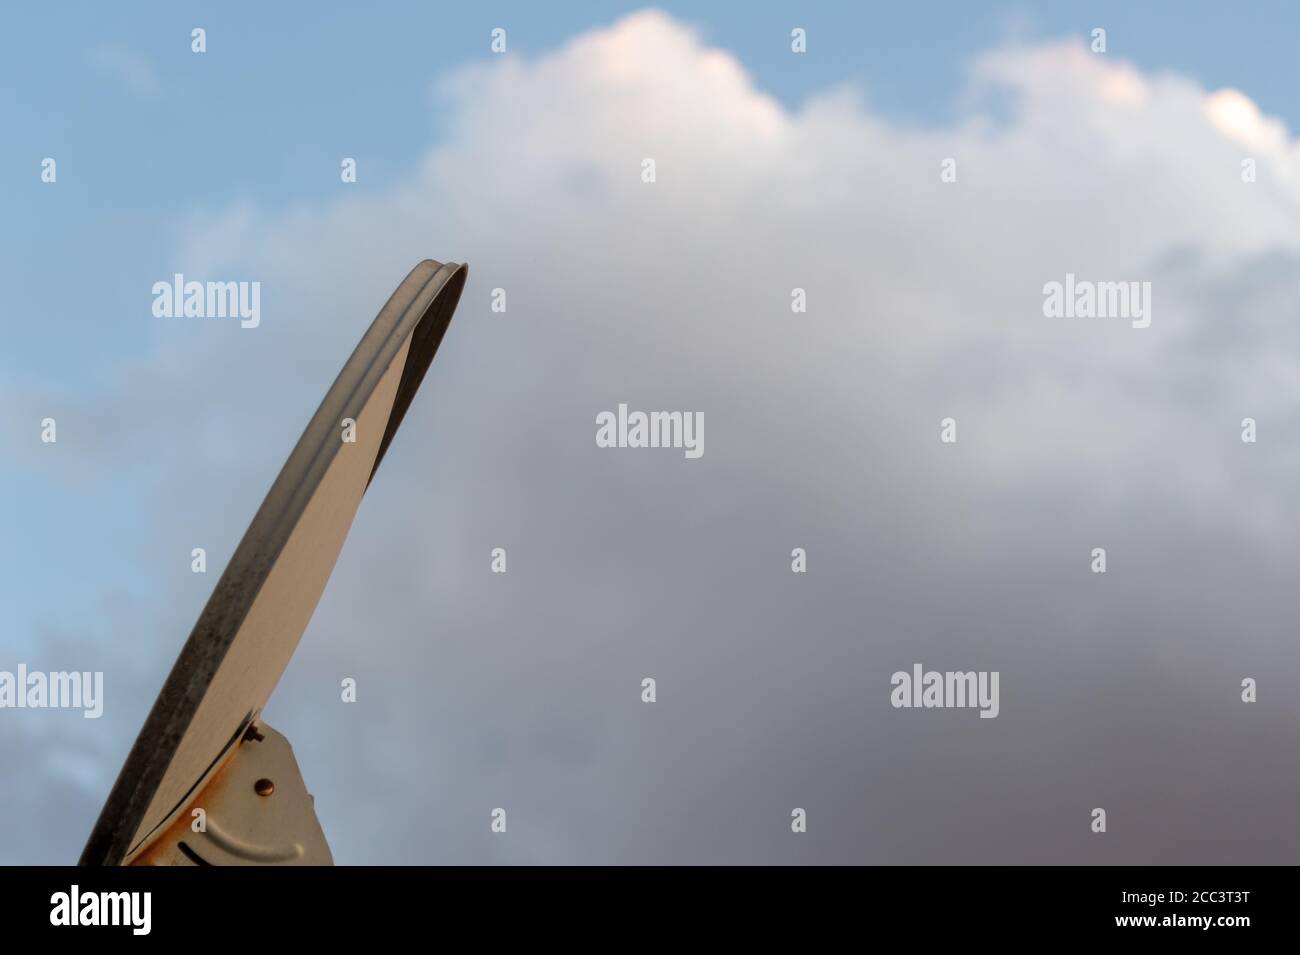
[{"x": 159, "y": 149}]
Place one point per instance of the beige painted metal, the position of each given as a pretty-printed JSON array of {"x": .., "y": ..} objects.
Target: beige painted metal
[
  {"x": 283, "y": 607},
  {"x": 255, "y": 811}
]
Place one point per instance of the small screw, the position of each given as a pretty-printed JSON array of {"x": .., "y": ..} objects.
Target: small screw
[
  {"x": 252, "y": 733},
  {"x": 264, "y": 787}
]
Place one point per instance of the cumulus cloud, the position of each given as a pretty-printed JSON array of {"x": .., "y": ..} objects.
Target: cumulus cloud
[{"x": 924, "y": 301}]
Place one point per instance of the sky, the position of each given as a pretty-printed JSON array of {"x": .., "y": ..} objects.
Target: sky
[{"x": 774, "y": 171}]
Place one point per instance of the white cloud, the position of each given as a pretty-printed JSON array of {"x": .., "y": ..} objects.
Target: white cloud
[{"x": 1100, "y": 171}]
